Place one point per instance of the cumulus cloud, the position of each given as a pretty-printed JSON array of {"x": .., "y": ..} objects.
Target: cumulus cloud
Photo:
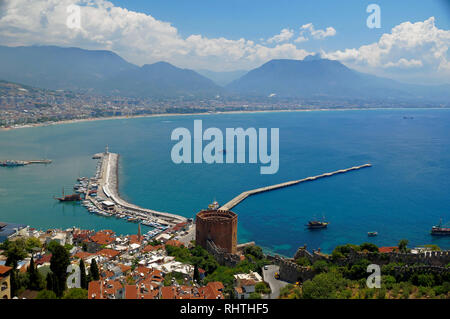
[
  {"x": 285, "y": 35},
  {"x": 404, "y": 63},
  {"x": 419, "y": 46},
  {"x": 317, "y": 34},
  {"x": 138, "y": 37}
]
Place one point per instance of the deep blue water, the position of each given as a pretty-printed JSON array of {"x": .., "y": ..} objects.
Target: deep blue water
[{"x": 401, "y": 196}]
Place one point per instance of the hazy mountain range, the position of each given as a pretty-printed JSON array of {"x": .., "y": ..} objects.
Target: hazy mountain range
[{"x": 104, "y": 72}]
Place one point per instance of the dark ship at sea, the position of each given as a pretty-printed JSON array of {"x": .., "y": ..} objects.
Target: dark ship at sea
[
  {"x": 440, "y": 230},
  {"x": 69, "y": 198}
]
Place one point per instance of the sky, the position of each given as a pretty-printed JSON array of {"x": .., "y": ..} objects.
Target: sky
[{"x": 411, "y": 44}]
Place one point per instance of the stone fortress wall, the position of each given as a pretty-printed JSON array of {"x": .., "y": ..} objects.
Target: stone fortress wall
[{"x": 426, "y": 262}]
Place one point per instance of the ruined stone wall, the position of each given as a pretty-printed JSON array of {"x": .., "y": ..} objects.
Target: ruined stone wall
[
  {"x": 222, "y": 256},
  {"x": 437, "y": 270},
  {"x": 315, "y": 256},
  {"x": 432, "y": 258},
  {"x": 290, "y": 271}
]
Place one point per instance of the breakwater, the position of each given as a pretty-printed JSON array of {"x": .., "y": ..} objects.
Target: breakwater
[
  {"x": 12, "y": 163},
  {"x": 235, "y": 201}
]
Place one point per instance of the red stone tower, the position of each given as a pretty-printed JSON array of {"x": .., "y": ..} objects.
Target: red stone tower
[{"x": 218, "y": 226}]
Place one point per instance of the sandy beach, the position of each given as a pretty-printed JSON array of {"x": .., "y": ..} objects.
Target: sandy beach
[{"x": 123, "y": 117}]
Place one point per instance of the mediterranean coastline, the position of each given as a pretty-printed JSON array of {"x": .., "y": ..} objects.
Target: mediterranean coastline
[
  {"x": 121, "y": 117},
  {"x": 149, "y": 178}
]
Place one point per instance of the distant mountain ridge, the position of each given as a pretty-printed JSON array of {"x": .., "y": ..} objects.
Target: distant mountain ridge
[
  {"x": 161, "y": 79},
  {"x": 315, "y": 77},
  {"x": 106, "y": 73},
  {"x": 101, "y": 72}
]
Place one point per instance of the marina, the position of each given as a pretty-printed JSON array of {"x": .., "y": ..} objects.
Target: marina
[{"x": 101, "y": 197}]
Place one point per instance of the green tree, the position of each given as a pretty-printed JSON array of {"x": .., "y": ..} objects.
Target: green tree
[
  {"x": 76, "y": 293},
  {"x": 320, "y": 266},
  {"x": 196, "y": 274},
  {"x": 83, "y": 278},
  {"x": 425, "y": 280},
  {"x": 46, "y": 294},
  {"x": 388, "y": 281},
  {"x": 13, "y": 282},
  {"x": 262, "y": 288},
  {"x": 324, "y": 286},
  {"x": 51, "y": 246},
  {"x": 358, "y": 270},
  {"x": 343, "y": 251},
  {"x": 15, "y": 252},
  {"x": 34, "y": 276},
  {"x": 255, "y": 295},
  {"x": 254, "y": 251},
  {"x": 369, "y": 247},
  {"x": 402, "y": 246},
  {"x": 58, "y": 265},
  {"x": 49, "y": 281},
  {"x": 95, "y": 274},
  {"x": 31, "y": 243}
]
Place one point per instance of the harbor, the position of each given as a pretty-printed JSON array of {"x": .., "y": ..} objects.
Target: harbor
[
  {"x": 101, "y": 197},
  {"x": 235, "y": 201}
]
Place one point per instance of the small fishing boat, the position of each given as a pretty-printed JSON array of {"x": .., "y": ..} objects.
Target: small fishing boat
[
  {"x": 372, "y": 234},
  {"x": 316, "y": 224}
]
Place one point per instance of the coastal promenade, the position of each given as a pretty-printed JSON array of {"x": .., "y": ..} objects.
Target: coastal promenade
[
  {"x": 108, "y": 184},
  {"x": 235, "y": 201}
]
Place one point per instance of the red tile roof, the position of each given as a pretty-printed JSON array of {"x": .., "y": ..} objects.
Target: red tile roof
[
  {"x": 4, "y": 269},
  {"x": 140, "y": 291},
  {"x": 175, "y": 243},
  {"x": 95, "y": 290},
  {"x": 83, "y": 255},
  {"x": 109, "y": 253},
  {"x": 168, "y": 292},
  {"x": 101, "y": 289},
  {"x": 44, "y": 259},
  {"x": 387, "y": 249},
  {"x": 212, "y": 291},
  {"x": 124, "y": 268},
  {"x": 150, "y": 248},
  {"x": 104, "y": 237}
]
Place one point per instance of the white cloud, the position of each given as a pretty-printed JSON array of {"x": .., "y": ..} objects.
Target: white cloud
[
  {"x": 317, "y": 34},
  {"x": 418, "y": 47},
  {"x": 404, "y": 63},
  {"x": 285, "y": 35},
  {"x": 138, "y": 37},
  {"x": 301, "y": 39}
]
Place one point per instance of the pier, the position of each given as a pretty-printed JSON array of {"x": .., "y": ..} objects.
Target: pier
[
  {"x": 12, "y": 163},
  {"x": 108, "y": 188},
  {"x": 235, "y": 201},
  {"x": 38, "y": 162}
]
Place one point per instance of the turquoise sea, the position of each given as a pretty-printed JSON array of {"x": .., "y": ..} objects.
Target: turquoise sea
[{"x": 405, "y": 192}]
